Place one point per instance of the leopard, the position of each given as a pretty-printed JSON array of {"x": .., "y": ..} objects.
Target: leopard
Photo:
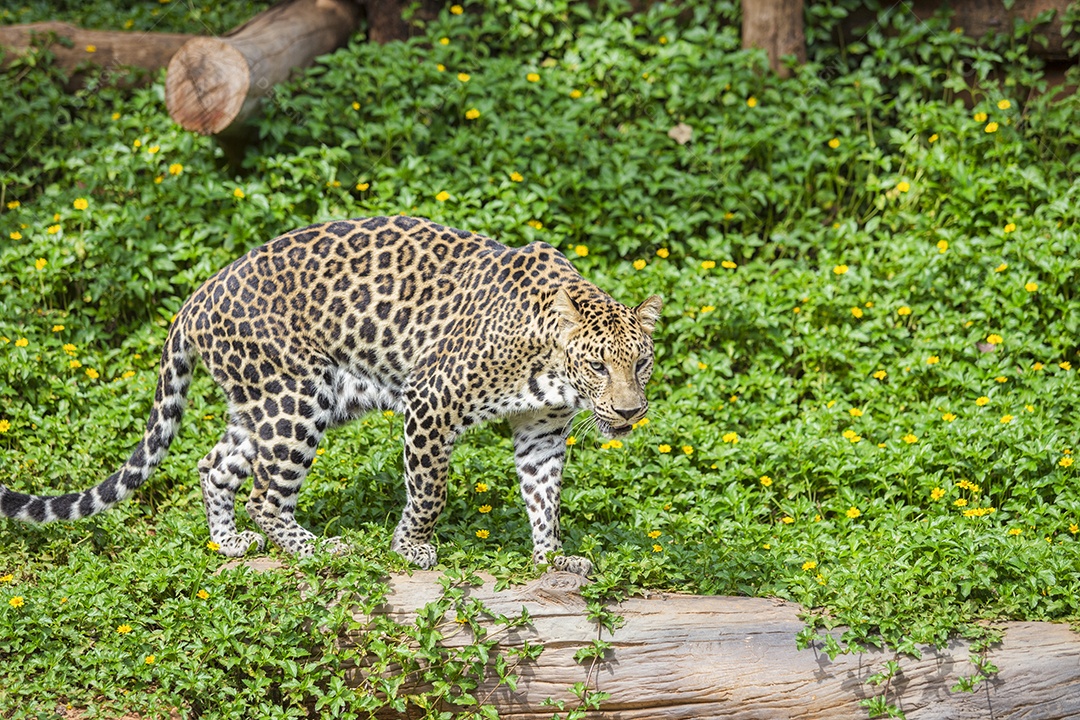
[{"x": 446, "y": 327}]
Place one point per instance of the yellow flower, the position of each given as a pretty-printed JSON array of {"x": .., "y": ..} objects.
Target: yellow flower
[
  {"x": 1065, "y": 462},
  {"x": 657, "y": 548},
  {"x": 1006, "y": 419},
  {"x": 664, "y": 449},
  {"x": 937, "y": 493},
  {"x": 903, "y": 186},
  {"x": 880, "y": 375},
  {"x": 1009, "y": 227},
  {"x": 980, "y": 117},
  {"x": 581, "y": 250},
  {"x": 1004, "y": 104},
  {"x": 765, "y": 480},
  {"x": 238, "y": 193},
  {"x": 834, "y": 143},
  {"x": 9, "y": 577},
  {"x": 22, "y": 342},
  {"x": 933, "y": 138},
  {"x": 991, "y": 127},
  {"x": 1001, "y": 379},
  {"x": 943, "y": 246},
  {"x": 662, "y": 253},
  {"x": 853, "y": 512},
  {"x": 516, "y": 177},
  {"x": 688, "y": 449},
  {"x": 91, "y": 48},
  {"x": 484, "y": 509},
  {"x": 472, "y": 114},
  {"x": 69, "y": 349},
  {"x": 702, "y": 366},
  {"x": 1030, "y": 408},
  {"x": 1074, "y": 528},
  {"x": 729, "y": 215},
  {"x": 481, "y": 487},
  {"x": 1001, "y": 268},
  {"x": 16, "y": 602},
  {"x": 575, "y": 94},
  {"x": 707, "y": 308},
  {"x": 15, "y": 235},
  {"x": 840, "y": 269},
  {"x": 571, "y": 440},
  {"x": 535, "y": 224},
  {"x": 443, "y": 196},
  {"x": 12, "y": 204},
  {"x": 74, "y": 364},
  {"x": 994, "y": 339},
  {"x": 158, "y": 179},
  {"x": 1015, "y": 531},
  {"x": 960, "y": 502},
  {"x": 123, "y": 629},
  {"x": 444, "y": 41},
  {"x": 708, "y": 264},
  {"x": 153, "y": 149},
  {"x": 1066, "y": 365},
  {"x": 362, "y": 186},
  {"x": 981, "y": 401},
  {"x": 463, "y": 77},
  {"x": 787, "y": 519},
  {"x": 910, "y": 439},
  {"x": 92, "y": 373},
  {"x": 456, "y": 9},
  {"x": 482, "y": 534},
  {"x": 809, "y": 565},
  {"x": 751, "y": 101},
  {"x": 150, "y": 659},
  {"x": 730, "y": 438},
  {"x": 933, "y": 360},
  {"x": 855, "y": 412},
  {"x": 176, "y": 169},
  {"x": 616, "y": 444},
  {"x": 52, "y": 229},
  {"x": 212, "y": 546},
  {"x": 80, "y": 204},
  {"x": 639, "y": 264},
  {"x": 440, "y": 67},
  {"x": 532, "y": 77},
  {"x": 728, "y": 264},
  {"x": 1031, "y": 287},
  {"x": 202, "y": 595},
  {"x": 654, "y": 534},
  {"x": 1037, "y": 366},
  {"x": 857, "y": 312},
  {"x": 903, "y": 310},
  {"x": 948, "y": 417}
]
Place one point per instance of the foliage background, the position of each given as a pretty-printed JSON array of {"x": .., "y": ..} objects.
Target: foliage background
[{"x": 867, "y": 368}]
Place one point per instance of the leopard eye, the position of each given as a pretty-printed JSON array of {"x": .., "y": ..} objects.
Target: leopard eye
[
  {"x": 642, "y": 364},
  {"x": 598, "y": 367}
]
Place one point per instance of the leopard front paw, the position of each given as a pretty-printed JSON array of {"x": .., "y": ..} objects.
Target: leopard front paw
[
  {"x": 572, "y": 563},
  {"x": 240, "y": 544},
  {"x": 422, "y": 555}
]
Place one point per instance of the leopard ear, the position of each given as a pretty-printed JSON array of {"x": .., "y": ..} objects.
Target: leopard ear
[
  {"x": 568, "y": 314},
  {"x": 648, "y": 313}
]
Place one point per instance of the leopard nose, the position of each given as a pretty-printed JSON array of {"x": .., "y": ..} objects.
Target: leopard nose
[{"x": 628, "y": 413}]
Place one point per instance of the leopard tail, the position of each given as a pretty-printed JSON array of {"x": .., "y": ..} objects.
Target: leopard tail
[{"x": 177, "y": 361}]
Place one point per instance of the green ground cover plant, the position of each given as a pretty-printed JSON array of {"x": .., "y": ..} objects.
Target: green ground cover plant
[{"x": 867, "y": 366}]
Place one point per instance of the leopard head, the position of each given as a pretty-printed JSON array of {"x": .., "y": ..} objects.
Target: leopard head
[{"x": 608, "y": 351}]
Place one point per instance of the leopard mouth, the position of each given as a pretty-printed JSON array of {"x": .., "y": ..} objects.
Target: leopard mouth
[{"x": 610, "y": 430}]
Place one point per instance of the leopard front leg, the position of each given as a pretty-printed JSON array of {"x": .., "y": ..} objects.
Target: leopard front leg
[
  {"x": 539, "y": 453},
  {"x": 428, "y": 444}
]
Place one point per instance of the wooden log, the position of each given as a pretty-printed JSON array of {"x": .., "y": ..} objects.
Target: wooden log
[
  {"x": 214, "y": 84},
  {"x": 77, "y": 49},
  {"x": 682, "y": 656}
]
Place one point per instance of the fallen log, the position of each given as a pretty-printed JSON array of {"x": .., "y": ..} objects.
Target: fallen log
[
  {"x": 80, "y": 53},
  {"x": 214, "y": 83},
  {"x": 682, "y": 656}
]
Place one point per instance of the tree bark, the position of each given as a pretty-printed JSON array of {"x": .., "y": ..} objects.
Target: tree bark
[
  {"x": 775, "y": 26},
  {"x": 214, "y": 84},
  {"x": 78, "y": 50},
  {"x": 682, "y": 656}
]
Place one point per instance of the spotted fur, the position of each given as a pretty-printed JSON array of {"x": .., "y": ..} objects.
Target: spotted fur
[{"x": 326, "y": 323}]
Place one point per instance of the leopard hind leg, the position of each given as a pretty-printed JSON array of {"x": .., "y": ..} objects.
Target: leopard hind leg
[{"x": 221, "y": 473}]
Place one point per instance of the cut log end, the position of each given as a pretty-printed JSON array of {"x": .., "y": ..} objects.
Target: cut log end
[{"x": 206, "y": 85}]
